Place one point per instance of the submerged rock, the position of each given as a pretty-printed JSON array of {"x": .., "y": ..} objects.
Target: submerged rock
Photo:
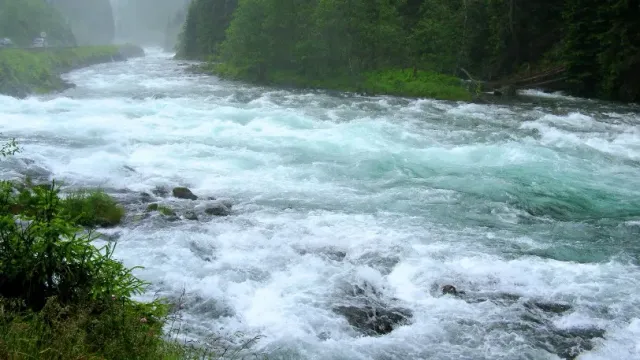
[
  {"x": 145, "y": 197},
  {"x": 556, "y": 308},
  {"x": 217, "y": 208},
  {"x": 535, "y": 322},
  {"x": 374, "y": 320},
  {"x": 191, "y": 215},
  {"x": 183, "y": 193},
  {"x": 369, "y": 314},
  {"x": 160, "y": 191}
]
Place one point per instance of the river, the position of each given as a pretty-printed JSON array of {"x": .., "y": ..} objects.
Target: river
[{"x": 536, "y": 201}]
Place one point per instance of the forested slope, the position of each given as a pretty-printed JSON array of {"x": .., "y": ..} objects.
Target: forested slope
[
  {"x": 295, "y": 41},
  {"x": 23, "y": 20}
]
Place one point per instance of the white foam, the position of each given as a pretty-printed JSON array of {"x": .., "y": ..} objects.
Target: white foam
[{"x": 554, "y": 95}]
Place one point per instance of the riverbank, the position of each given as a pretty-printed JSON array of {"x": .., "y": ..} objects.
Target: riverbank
[
  {"x": 36, "y": 71},
  {"x": 397, "y": 82}
]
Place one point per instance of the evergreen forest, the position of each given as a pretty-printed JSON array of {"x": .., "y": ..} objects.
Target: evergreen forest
[{"x": 592, "y": 46}]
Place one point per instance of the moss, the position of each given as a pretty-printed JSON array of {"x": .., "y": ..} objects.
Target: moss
[
  {"x": 92, "y": 208},
  {"x": 164, "y": 210},
  {"x": 399, "y": 82}
]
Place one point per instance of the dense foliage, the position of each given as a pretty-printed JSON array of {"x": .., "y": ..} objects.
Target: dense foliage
[
  {"x": 596, "y": 42},
  {"x": 205, "y": 27},
  {"x": 24, "y": 20}
]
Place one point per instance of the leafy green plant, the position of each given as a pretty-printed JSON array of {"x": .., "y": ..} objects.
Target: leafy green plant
[{"x": 9, "y": 148}]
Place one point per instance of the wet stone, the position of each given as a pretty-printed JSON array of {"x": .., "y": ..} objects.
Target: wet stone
[
  {"x": 555, "y": 308},
  {"x": 160, "y": 191},
  {"x": 183, "y": 193},
  {"x": 374, "y": 320},
  {"x": 366, "y": 311},
  {"x": 217, "y": 209},
  {"x": 191, "y": 215}
]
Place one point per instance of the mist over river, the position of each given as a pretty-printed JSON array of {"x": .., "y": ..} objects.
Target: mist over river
[{"x": 533, "y": 202}]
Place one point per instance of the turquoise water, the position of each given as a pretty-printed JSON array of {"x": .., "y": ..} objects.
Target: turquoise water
[{"x": 539, "y": 199}]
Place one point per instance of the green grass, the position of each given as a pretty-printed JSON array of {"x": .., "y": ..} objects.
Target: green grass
[
  {"x": 37, "y": 70},
  {"x": 117, "y": 329},
  {"x": 92, "y": 208},
  {"x": 396, "y": 82}
]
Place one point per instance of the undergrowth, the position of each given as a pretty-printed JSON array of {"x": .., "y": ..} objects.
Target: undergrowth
[{"x": 399, "y": 82}]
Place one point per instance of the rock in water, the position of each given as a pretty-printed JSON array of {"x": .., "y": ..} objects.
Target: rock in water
[
  {"x": 374, "y": 320},
  {"x": 191, "y": 215},
  {"x": 218, "y": 209},
  {"x": 184, "y": 193},
  {"x": 160, "y": 191},
  {"x": 368, "y": 313}
]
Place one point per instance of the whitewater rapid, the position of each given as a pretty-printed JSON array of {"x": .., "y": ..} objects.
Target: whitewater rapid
[{"x": 540, "y": 199}]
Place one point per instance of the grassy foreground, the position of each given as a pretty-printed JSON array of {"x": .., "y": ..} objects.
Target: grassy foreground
[
  {"x": 64, "y": 298},
  {"x": 398, "y": 82},
  {"x": 23, "y": 72}
]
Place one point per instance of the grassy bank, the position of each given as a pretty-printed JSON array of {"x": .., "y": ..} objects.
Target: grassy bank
[
  {"x": 27, "y": 71},
  {"x": 396, "y": 82}
]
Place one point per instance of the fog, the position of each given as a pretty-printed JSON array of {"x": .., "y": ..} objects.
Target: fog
[
  {"x": 144, "y": 22},
  {"x": 149, "y": 22}
]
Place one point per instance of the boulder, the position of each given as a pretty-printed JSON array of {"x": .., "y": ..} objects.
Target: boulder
[{"x": 184, "y": 193}]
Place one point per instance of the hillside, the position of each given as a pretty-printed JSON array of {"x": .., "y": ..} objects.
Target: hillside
[{"x": 23, "y": 20}]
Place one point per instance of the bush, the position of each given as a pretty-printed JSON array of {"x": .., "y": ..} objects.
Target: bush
[
  {"x": 92, "y": 208},
  {"x": 60, "y": 296},
  {"x": 43, "y": 254}
]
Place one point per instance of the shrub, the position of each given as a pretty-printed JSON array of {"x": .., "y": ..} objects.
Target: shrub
[
  {"x": 43, "y": 253},
  {"x": 92, "y": 208},
  {"x": 60, "y": 296}
]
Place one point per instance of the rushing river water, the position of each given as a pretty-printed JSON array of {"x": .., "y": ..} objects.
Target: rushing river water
[{"x": 539, "y": 200}]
